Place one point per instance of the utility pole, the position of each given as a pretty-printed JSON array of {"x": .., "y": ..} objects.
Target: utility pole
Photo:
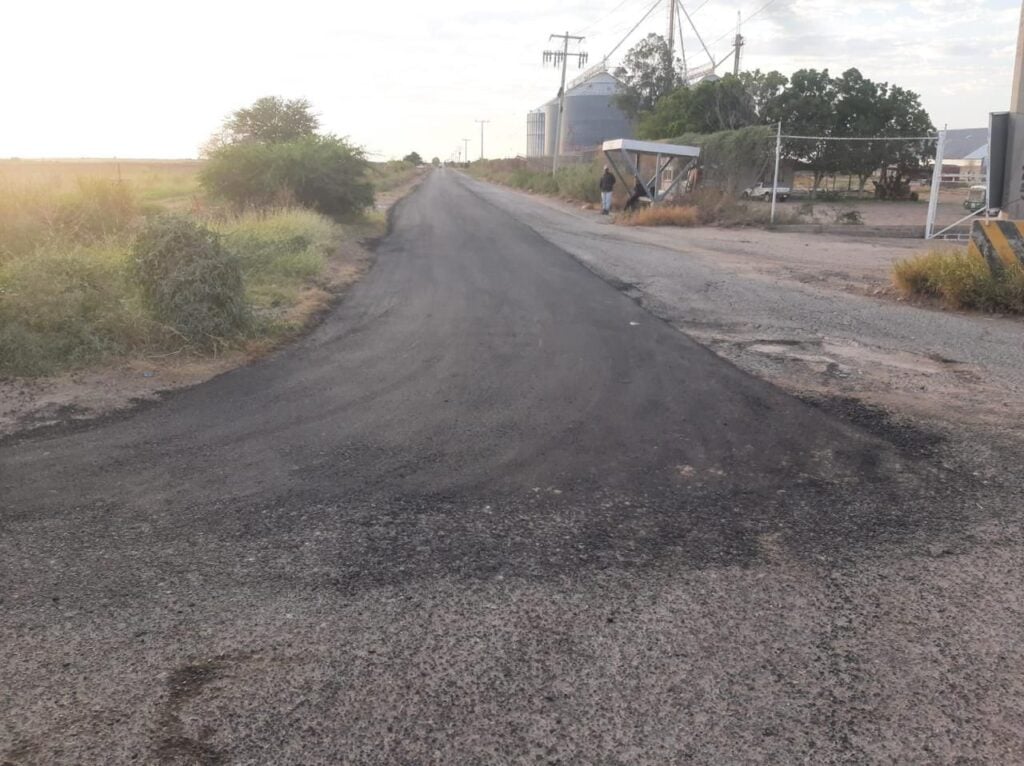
[
  {"x": 562, "y": 57},
  {"x": 482, "y": 123},
  {"x": 738, "y": 44},
  {"x": 466, "y": 155}
]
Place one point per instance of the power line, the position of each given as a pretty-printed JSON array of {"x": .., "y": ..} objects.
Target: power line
[
  {"x": 635, "y": 27},
  {"x": 607, "y": 16}
]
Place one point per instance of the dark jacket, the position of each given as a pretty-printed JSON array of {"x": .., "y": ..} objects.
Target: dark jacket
[{"x": 607, "y": 181}]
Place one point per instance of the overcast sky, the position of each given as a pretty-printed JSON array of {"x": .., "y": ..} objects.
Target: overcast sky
[{"x": 139, "y": 79}]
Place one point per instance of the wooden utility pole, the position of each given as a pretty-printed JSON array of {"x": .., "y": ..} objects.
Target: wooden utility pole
[
  {"x": 738, "y": 45},
  {"x": 562, "y": 57},
  {"x": 482, "y": 123}
]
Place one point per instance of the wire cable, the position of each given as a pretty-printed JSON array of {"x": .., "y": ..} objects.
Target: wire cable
[
  {"x": 636, "y": 26},
  {"x": 605, "y": 18}
]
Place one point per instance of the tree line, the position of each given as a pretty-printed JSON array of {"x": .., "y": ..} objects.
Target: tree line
[{"x": 809, "y": 103}]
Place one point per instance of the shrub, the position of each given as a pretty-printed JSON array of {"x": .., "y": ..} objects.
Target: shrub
[
  {"x": 961, "y": 281},
  {"x": 189, "y": 281},
  {"x": 68, "y": 305},
  {"x": 323, "y": 173},
  {"x": 663, "y": 216},
  {"x": 850, "y": 217},
  {"x": 578, "y": 182},
  {"x": 280, "y": 245}
]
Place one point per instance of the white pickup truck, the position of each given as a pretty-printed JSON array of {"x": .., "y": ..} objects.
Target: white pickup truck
[{"x": 761, "y": 191}]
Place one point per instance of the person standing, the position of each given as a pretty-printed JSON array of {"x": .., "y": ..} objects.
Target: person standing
[{"x": 607, "y": 185}]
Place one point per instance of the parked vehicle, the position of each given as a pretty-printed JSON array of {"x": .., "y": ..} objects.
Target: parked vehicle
[
  {"x": 761, "y": 191},
  {"x": 977, "y": 198}
]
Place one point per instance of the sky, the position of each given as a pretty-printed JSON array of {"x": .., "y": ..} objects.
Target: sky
[{"x": 111, "y": 78}]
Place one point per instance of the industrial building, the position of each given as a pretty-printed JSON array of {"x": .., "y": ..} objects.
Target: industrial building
[{"x": 591, "y": 117}]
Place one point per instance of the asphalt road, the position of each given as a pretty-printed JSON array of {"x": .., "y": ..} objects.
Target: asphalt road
[{"x": 494, "y": 511}]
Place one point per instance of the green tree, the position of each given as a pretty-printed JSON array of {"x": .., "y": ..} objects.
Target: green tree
[
  {"x": 709, "y": 107},
  {"x": 324, "y": 173},
  {"x": 413, "y": 158},
  {"x": 649, "y": 71},
  {"x": 436, "y": 161},
  {"x": 903, "y": 116},
  {"x": 764, "y": 89},
  {"x": 272, "y": 120},
  {"x": 859, "y": 113},
  {"x": 807, "y": 108}
]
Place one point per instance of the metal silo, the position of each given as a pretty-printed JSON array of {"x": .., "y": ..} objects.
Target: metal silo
[
  {"x": 535, "y": 133},
  {"x": 591, "y": 115}
]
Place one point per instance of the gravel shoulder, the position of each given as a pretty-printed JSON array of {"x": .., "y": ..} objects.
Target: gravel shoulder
[{"x": 814, "y": 314}]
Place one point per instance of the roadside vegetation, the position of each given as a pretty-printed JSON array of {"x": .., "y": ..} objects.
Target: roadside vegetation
[
  {"x": 108, "y": 260},
  {"x": 575, "y": 182},
  {"x": 961, "y": 281},
  {"x": 809, "y": 102},
  {"x": 667, "y": 215}
]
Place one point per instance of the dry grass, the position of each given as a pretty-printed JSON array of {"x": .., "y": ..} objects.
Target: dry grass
[
  {"x": 65, "y": 297},
  {"x": 686, "y": 215},
  {"x": 960, "y": 281},
  {"x": 66, "y": 228},
  {"x": 166, "y": 181}
]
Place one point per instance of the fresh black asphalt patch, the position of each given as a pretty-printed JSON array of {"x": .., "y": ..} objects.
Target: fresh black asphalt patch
[{"x": 480, "y": 410}]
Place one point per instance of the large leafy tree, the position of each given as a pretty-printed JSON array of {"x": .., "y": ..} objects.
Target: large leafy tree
[
  {"x": 711, "y": 106},
  {"x": 903, "y": 116},
  {"x": 807, "y": 108},
  {"x": 272, "y": 120},
  {"x": 764, "y": 89},
  {"x": 649, "y": 71},
  {"x": 324, "y": 173},
  {"x": 271, "y": 154},
  {"x": 859, "y": 113}
]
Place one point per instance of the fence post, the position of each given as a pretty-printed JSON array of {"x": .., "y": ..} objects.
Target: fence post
[
  {"x": 933, "y": 197},
  {"x": 775, "y": 178}
]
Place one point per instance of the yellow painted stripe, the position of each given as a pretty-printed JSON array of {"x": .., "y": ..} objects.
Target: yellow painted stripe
[{"x": 999, "y": 243}]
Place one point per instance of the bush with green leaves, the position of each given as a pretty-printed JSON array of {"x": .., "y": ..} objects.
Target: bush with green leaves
[
  {"x": 323, "y": 173},
  {"x": 189, "y": 281}
]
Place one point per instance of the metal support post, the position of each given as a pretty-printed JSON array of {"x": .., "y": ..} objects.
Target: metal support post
[
  {"x": 933, "y": 197},
  {"x": 775, "y": 178}
]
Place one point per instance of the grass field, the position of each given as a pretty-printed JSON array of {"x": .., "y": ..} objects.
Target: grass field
[{"x": 66, "y": 228}]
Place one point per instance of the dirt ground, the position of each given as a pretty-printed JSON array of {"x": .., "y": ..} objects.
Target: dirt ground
[
  {"x": 875, "y": 213},
  {"x": 30, "y": 403}
]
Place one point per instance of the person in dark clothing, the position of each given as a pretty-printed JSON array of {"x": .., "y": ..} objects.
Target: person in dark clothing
[
  {"x": 607, "y": 185},
  {"x": 639, "y": 191}
]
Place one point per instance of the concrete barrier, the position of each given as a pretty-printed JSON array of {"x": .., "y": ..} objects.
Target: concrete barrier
[{"x": 999, "y": 243}]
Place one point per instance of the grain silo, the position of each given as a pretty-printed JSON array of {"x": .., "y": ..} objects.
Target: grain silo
[
  {"x": 591, "y": 116},
  {"x": 535, "y": 133}
]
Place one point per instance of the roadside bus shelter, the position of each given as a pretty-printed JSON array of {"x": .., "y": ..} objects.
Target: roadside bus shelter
[{"x": 628, "y": 153}]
